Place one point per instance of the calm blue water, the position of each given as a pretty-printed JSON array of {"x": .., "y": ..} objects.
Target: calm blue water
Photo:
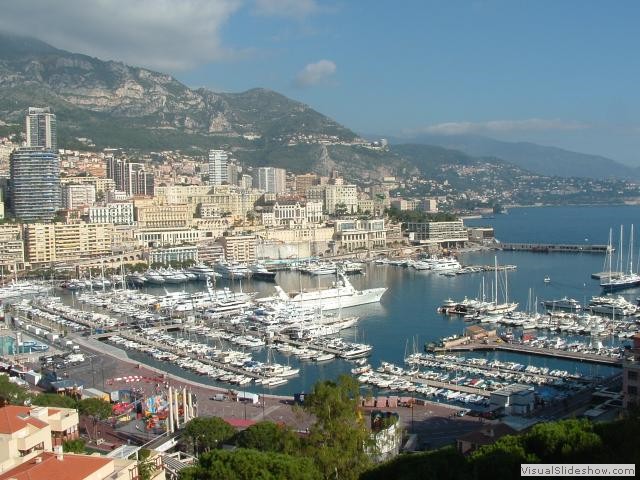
[{"x": 407, "y": 314}]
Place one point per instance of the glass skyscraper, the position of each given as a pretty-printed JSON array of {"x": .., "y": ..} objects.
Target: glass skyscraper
[{"x": 35, "y": 170}]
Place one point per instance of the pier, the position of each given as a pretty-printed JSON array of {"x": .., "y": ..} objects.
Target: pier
[
  {"x": 550, "y": 247},
  {"x": 527, "y": 349}
]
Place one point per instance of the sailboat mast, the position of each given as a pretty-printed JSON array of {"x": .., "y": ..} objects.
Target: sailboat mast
[
  {"x": 495, "y": 297},
  {"x": 631, "y": 252}
]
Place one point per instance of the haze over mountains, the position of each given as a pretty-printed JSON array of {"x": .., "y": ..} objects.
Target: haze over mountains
[
  {"x": 116, "y": 105},
  {"x": 544, "y": 160}
]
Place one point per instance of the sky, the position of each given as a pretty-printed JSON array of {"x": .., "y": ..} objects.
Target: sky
[{"x": 556, "y": 72}]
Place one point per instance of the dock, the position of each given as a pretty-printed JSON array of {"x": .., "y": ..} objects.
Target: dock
[
  {"x": 527, "y": 349},
  {"x": 551, "y": 247}
]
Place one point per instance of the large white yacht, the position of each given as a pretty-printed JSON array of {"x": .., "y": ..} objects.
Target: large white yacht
[{"x": 340, "y": 295}]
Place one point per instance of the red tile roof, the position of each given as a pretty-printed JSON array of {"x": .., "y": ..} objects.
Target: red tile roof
[
  {"x": 14, "y": 418},
  {"x": 71, "y": 467}
]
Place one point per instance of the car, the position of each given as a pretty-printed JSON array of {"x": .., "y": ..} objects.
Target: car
[{"x": 461, "y": 413}]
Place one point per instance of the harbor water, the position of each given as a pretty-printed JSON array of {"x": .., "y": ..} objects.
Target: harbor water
[{"x": 407, "y": 316}]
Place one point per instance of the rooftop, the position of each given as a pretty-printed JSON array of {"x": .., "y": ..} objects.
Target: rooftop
[{"x": 47, "y": 466}]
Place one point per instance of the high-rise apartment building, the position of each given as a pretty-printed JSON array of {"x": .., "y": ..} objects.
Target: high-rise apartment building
[
  {"x": 218, "y": 167},
  {"x": 129, "y": 177},
  {"x": 272, "y": 180},
  {"x": 35, "y": 184},
  {"x": 40, "y": 128}
]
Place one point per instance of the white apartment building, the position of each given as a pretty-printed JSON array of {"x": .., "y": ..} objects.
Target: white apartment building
[
  {"x": 74, "y": 196},
  {"x": 272, "y": 180},
  {"x": 446, "y": 234},
  {"x": 361, "y": 234},
  {"x": 218, "y": 167},
  {"x": 346, "y": 195},
  {"x": 116, "y": 213}
]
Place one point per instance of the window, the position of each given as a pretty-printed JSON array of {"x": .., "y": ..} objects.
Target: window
[
  {"x": 632, "y": 375},
  {"x": 632, "y": 390}
]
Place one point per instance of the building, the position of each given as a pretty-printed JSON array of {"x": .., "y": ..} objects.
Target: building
[
  {"x": 11, "y": 248},
  {"x": 246, "y": 182},
  {"x": 239, "y": 248},
  {"x": 631, "y": 376},
  {"x": 102, "y": 185},
  {"x": 74, "y": 196},
  {"x": 40, "y": 129},
  {"x": 26, "y": 432},
  {"x": 482, "y": 235},
  {"x": 35, "y": 184},
  {"x": 340, "y": 199},
  {"x": 516, "y": 399},
  {"x": 218, "y": 167},
  {"x": 163, "y": 216},
  {"x": 159, "y": 237},
  {"x": 210, "y": 251},
  {"x": 304, "y": 182},
  {"x": 445, "y": 234},
  {"x": 487, "y": 435},
  {"x": 429, "y": 205},
  {"x": 210, "y": 201},
  {"x": 64, "y": 242},
  {"x": 166, "y": 255},
  {"x": 272, "y": 180},
  {"x": 360, "y": 234},
  {"x": 292, "y": 213},
  {"x": 233, "y": 174},
  {"x": 129, "y": 177},
  {"x": 58, "y": 465},
  {"x": 117, "y": 213}
]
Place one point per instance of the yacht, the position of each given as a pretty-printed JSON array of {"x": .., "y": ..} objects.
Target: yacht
[
  {"x": 260, "y": 272},
  {"x": 154, "y": 277},
  {"x": 341, "y": 294},
  {"x": 564, "y": 303},
  {"x": 21, "y": 288},
  {"x": 231, "y": 270},
  {"x": 203, "y": 271},
  {"x": 173, "y": 276}
]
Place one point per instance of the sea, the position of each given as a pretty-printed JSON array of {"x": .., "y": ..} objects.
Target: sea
[{"x": 407, "y": 316}]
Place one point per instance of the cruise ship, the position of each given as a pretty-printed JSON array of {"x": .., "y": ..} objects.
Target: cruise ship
[
  {"x": 341, "y": 294},
  {"x": 260, "y": 272},
  {"x": 22, "y": 288}
]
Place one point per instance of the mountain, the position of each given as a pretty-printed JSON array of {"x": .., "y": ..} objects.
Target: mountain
[
  {"x": 115, "y": 104},
  {"x": 543, "y": 160}
]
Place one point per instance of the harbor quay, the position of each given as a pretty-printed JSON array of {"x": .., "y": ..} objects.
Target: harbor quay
[{"x": 527, "y": 349}]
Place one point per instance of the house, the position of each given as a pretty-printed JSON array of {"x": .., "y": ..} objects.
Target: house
[{"x": 486, "y": 435}]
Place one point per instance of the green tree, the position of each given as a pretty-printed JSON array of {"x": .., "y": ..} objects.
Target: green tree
[
  {"x": 146, "y": 466},
  {"x": 204, "y": 434},
  {"x": 568, "y": 440},
  {"x": 95, "y": 408},
  {"x": 341, "y": 209},
  {"x": 12, "y": 394},
  {"x": 244, "y": 464},
  {"x": 268, "y": 436},
  {"x": 337, "y": 439},
  {"x": 74, "y": 446},
  {"x": 54, "y": 400}
]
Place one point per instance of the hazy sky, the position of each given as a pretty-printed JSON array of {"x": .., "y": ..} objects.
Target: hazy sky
[{"x": 559, "y": 72}]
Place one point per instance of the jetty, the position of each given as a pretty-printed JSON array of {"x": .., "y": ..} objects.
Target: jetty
[
  {"x": 531, "y": 350},
  {"x": 553, "y": 247}
]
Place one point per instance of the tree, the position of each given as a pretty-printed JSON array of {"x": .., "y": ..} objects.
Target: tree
[
  {"x": 74, "y": 446},
  {"x": 244, "y": 464},
  {"x": 54, "y": 400},
  {"x": 13, "y": 394},
  {"x": 336, "y": 441},
  {"x": 268, "y": 436},
  {"x": 341, "y": 209},
  {"x": 95, "y": 408},
  {"x": 206, "y": 434}
]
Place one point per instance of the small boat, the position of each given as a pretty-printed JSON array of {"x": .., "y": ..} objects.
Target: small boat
[{"x": 547, "y": 279}]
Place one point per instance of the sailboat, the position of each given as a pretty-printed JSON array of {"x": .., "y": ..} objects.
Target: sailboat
[
  {"x": 501, "y": 308},
  {"x": 627, "y": 279}
]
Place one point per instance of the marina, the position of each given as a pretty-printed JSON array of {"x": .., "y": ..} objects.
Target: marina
[{"x": 250, "y": 317}]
